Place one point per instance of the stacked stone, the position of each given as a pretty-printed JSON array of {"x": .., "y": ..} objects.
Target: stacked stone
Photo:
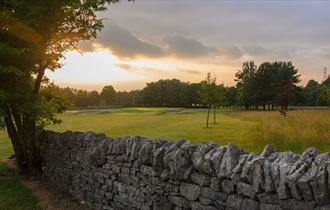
[{"x": 136, "y": 173}]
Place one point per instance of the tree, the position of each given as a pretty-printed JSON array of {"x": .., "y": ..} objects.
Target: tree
[
  {"x": 324, "y": 97},
  {"x": 94, "y": 98},
  {"x": 275, "y": 82},
  {"x": 326, "y": 82},
  {"x": 232, "y": 97},
  {"x": 265, "y": 85},
  {"x": 219, "y": 99},
  {"x": 208, "y": 94},
  {"x": 108, "y": 95},
  {"x": 311, "y": 92},
  {"x": 245, "y": 83},
  {"x": 38, "y": 33},
  {"x": 193, "y": 98},
  {"x": 287, "y": 77}
]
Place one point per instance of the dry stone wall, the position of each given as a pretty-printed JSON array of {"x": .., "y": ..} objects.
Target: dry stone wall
[{"x": 136, "y": 173}]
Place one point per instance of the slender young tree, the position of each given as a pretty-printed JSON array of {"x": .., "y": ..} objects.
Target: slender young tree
[{"x": 207, "y": 94}]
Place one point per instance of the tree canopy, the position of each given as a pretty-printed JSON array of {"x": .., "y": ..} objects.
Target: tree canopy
[
  {"x": 262, "y": 92},
  {"x": 34, "y": 35}
]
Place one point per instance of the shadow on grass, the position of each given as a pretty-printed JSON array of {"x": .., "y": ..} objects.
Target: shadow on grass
[{"x": 13, "y": 195}]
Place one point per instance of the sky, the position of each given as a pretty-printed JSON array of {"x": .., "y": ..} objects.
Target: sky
[{"x": 148, "y": 40}]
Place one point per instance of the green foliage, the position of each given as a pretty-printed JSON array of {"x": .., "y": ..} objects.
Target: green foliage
[
  {"x": 324, "y": 97},
  {"x": 326, "y": 82},
  {"x": 38, "y": 33},
  {"x": 311, "y": 93},
  {"x": 208, "y": 92},
  {"x": 270, "y": 83},
  {"x": 108, "y": 95},
  {"x": 34, "y": 35},
  {"x": 245, "y": 83},
  {"x": 52, "y": 101}
]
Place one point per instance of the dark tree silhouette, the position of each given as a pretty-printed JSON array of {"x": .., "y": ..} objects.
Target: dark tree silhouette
[{"x": 33, "y": 37}]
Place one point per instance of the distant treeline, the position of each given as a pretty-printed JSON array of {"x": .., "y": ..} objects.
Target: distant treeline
[{"x": 257, "y": 87}]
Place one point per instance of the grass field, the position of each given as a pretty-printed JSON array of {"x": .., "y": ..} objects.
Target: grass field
[{"x": 251, "y": 130}]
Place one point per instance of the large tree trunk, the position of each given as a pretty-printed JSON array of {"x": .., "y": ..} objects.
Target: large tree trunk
[{"x": 22, "y": 132}]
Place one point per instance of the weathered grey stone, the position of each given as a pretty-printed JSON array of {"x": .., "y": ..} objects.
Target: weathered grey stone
[
  {"x": 147, "y": 170},
  {"x": 235, "y": 202},
  {"x": 245, "y": 189},
  {"x": 294, "y": 191},
  {"x": 165, "y": 174},
  {"x": 229, "y": 160},
  {"x": 267, "y": 206},
  {"x": 162, "y": 204},
  {"x": 326, "y": 207},
  {"x": 269, "y": 185},
  {"x": 216, "y": 158},
  {"x": 283, "y": 191},
  {"x": 250, "y": 204},
  {"x": 254, "y": 174},
  {"x": 135, "y": 173},
  {"x": 227, "y": 186},
  {"x": 292, "y": 204},
  {"x": 268, "y": 150},
  {"x": 133, "y": 146},
  {"x": 215, "y": 184},
  {"x": 305, "y": 187},
  {"x": 319, "y": 179},
  {"x": 118, "y": 147},
  {"x": 190, "y": 191},
  {"x": 170, "y": 150},
  {"x": 205, "y": 201},
  {"x": 179, "y": 201},
  {"x": 258, "y": 180},
  {"x": 237, "y": 171},
  {"x": 220, "y": 205},
  {"x": 158, "y": 158},
  {"x": 212, "y": 195},
  {"x": 145, "y": 155},
  {"x": 201, "y": 179},
  {"x": 269, "y": 198},
  {"x": 198, "y": 206},
  {"x": 198, "y": 156},
  {"x": 182, "y": 161}
]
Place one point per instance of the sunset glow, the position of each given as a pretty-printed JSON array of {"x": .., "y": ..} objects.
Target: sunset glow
[{"x": 140, "y": 42}]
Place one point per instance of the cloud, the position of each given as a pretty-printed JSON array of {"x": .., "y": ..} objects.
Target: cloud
[
  {"x": 187, "y": 48},
  {"x": 86, "y": 46},
  {"x": 130, "y": 68},
  {"x": 123, "y": 43},
  {"x": 255, "y": 50},
  {"x": 123, "y": 66},
  {"x": 151, "y": 70},
  {"x": 230, "y": 52},
  {"x": 190, "y": 71},
  {"x": 324, "y": 53}
]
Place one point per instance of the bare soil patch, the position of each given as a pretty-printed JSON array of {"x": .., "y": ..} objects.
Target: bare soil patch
[{"x": 50, "y": 197}]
